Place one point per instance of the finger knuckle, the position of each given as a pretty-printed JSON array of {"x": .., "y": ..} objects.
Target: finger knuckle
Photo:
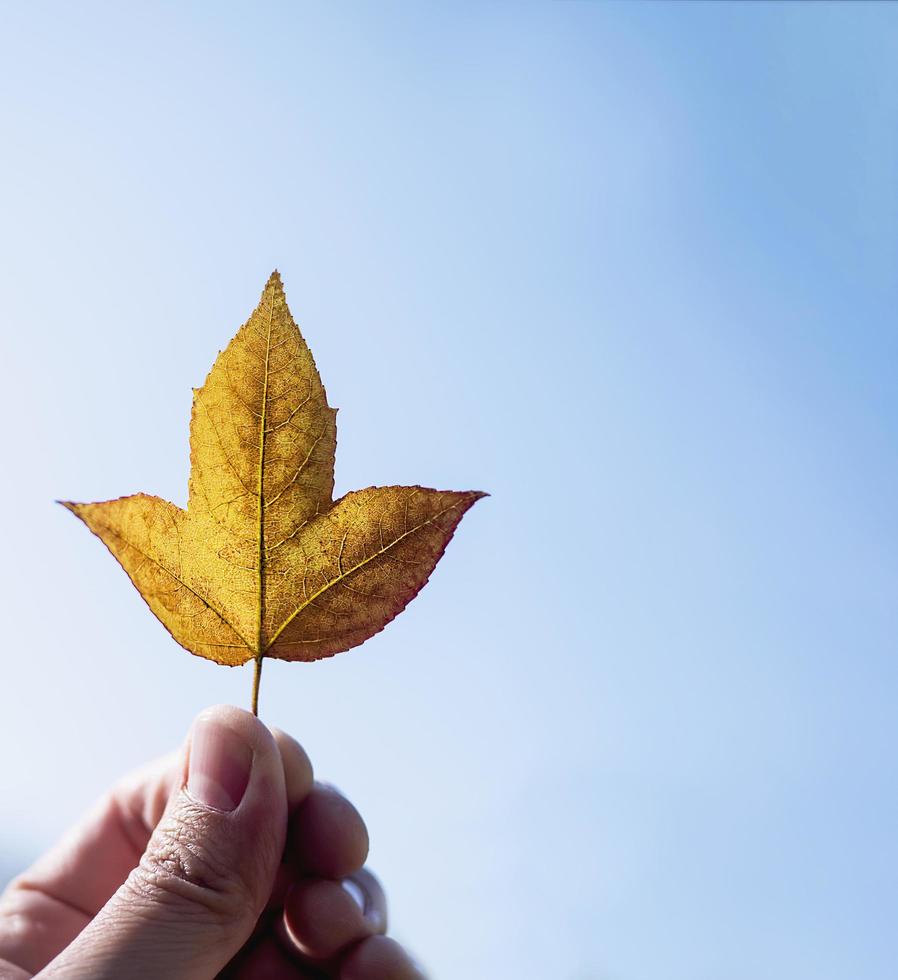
[{"x": 187, "y": 870}]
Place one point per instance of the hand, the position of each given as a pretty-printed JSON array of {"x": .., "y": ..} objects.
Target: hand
[{"x": 225, "y": 860}]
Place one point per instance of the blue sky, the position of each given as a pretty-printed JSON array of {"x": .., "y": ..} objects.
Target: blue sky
[{"x": 629, "y": 267}]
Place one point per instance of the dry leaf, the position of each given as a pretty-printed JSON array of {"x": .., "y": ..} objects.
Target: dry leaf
[{"x": 263, "y": 563}]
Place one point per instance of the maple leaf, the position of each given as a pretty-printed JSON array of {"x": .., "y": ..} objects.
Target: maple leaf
[{"x": 263, "y": 563}]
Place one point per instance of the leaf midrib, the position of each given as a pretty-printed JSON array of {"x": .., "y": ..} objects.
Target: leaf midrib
[{"x": 260, "y": 624}]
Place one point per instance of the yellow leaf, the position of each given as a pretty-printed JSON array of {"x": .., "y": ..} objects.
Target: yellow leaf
[{"x": 263, "y": 562}]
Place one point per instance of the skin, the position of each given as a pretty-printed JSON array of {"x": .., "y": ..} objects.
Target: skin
[{"x": 152, "y": 883}]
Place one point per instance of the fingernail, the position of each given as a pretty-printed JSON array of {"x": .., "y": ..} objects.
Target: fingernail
[
  {"x": 220, "y": 762},
  {"x": 331, "y": 788},
  {"x": 416, "y": 965},
  {"x": 355, "y": 892}
]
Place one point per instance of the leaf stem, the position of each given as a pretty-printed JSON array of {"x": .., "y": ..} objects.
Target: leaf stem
[{"x": 257, "y": 677}]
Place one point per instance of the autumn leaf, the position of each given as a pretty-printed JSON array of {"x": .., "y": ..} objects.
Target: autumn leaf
[{"x": 263, "y": 562}]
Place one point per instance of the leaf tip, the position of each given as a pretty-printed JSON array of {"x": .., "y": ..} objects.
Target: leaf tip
[
  {"x": 73, "y": 507},
  {"x": 472, "y": 496},
  {"x": 274, "y": 288}
]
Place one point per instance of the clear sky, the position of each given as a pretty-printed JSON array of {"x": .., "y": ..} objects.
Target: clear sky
[{"x": 633, "y": 269}]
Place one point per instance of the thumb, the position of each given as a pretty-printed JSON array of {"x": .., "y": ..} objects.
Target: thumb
[{"x": 208, "y": 869}]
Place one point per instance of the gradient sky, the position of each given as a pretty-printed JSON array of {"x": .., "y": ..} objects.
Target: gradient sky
[{"x": 633, "y": 269}]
